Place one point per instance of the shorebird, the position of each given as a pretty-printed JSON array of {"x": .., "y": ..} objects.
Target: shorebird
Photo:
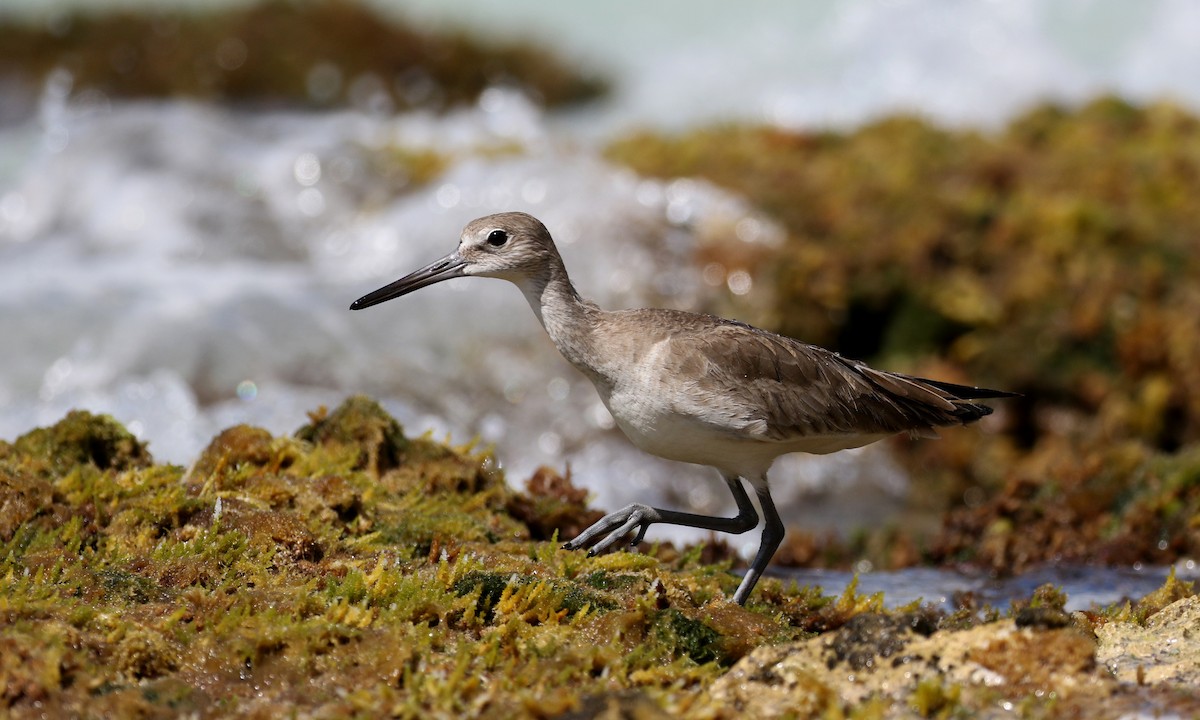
[{"x": 698, "y": 388}]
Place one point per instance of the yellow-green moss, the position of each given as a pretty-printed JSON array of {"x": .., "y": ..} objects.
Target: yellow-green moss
[
  {"x": 295, "y": 568},
  {"x": 80, "y": 438},
  {"x": 351, "y": 570},
  {"x": 932, "y": 699}
]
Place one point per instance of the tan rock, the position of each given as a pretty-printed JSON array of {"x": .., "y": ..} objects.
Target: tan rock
[
  {"x": 1167, "y": 649},
  {"x": 805, "y": 678}
]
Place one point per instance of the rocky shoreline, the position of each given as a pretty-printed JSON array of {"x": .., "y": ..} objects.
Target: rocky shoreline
[
  {"x": 349, "y": 569},
  {"x": 352, "y": 570}
]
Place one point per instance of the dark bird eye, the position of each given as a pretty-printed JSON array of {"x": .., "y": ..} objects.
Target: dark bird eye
[{"x": 496, "y": 238}]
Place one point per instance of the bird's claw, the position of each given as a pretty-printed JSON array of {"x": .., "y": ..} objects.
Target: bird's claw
[{"x": 613, "y": 527}]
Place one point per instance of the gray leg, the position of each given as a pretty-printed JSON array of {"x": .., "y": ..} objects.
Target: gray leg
[
  {"x": 772, "y": 535},
  {"x": 617, "y": 525}
]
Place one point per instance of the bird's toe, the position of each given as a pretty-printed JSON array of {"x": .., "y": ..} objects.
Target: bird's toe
[{"x": 613, "y": 527}]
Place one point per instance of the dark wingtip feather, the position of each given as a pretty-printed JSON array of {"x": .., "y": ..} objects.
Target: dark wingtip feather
[
  {"x": 970, "y": 412},
  {"x": 966, "y": 392}
]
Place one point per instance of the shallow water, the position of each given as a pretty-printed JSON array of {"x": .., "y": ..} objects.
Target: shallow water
[
  {"x": 186, "y": 268},
  {"x": 1086, "y": 586}
]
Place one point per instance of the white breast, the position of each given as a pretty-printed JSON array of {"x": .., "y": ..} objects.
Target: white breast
[{"x": 643, "y": 403}]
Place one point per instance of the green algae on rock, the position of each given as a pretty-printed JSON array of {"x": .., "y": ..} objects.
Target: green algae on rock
[
  {"x": 319, "y": 53},
  {"x": 283, "y": 571},
  {"x": 352, "y": 570},
  {"x": 80, "y": 438}
]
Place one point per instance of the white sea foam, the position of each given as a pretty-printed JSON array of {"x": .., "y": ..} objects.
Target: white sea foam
[{"x": 165, "y": 268}]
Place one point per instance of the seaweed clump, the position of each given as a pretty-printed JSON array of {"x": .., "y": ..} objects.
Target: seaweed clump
[
  {"x": 80, "y": 438},
  {"x": 321, "y": 53},
  {"x": 1054, "y": 258}
]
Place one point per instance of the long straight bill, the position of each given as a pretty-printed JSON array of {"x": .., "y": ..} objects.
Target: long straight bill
[{"x": 448, "y": 267}]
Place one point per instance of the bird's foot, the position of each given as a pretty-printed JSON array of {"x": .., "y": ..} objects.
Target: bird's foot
[{"x": 615, "y": 526}]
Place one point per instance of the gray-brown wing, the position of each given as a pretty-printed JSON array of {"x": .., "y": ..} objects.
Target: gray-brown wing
[{"x": 777, "y": 388}]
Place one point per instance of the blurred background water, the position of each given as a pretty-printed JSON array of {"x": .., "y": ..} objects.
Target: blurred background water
[{"x": 187, "y": 266}]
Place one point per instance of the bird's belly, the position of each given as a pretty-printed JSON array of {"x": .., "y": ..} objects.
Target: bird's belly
[
  {"x": 657, "y": 428},
  {"x": 670, "y": 436}
]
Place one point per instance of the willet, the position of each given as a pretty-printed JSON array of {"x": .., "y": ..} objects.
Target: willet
[{"x": 697, "y": 388}]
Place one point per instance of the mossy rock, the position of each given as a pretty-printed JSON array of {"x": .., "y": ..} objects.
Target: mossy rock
[
  {"x": 80, "y": 438},
  {"x": 360, "y": 424},
  {"x": 688, "y": 636},
  {"x": 23, "y": 496},
  {"x": 136, "y": 593},
  {"x": 243, "y": 448},
  {"x": 492, "y": 586}
]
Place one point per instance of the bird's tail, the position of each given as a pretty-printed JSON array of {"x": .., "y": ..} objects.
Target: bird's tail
[
  {"x": 964, "y": 392},
  {"x": 934, "y": 401},
  {"x": 960, "y": 395},
  {"x": 929, "y": 404}
]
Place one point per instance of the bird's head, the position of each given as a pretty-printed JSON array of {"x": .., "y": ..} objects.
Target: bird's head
[{"x": 512, "y": 246}]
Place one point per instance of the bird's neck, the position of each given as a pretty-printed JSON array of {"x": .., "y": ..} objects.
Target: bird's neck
[{"x": 569, "y": 320}]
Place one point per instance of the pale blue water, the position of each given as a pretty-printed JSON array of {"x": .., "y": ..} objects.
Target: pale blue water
[
  {"x": 186, "y": 268},
  {"x": 678, "y": 62},
  {"x": 1086, "y": 587}
]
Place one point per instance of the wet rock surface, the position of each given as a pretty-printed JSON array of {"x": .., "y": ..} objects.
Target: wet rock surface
[
  {"x": 1166, "y": 650},
  {"x": 983, "y": 671}
]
